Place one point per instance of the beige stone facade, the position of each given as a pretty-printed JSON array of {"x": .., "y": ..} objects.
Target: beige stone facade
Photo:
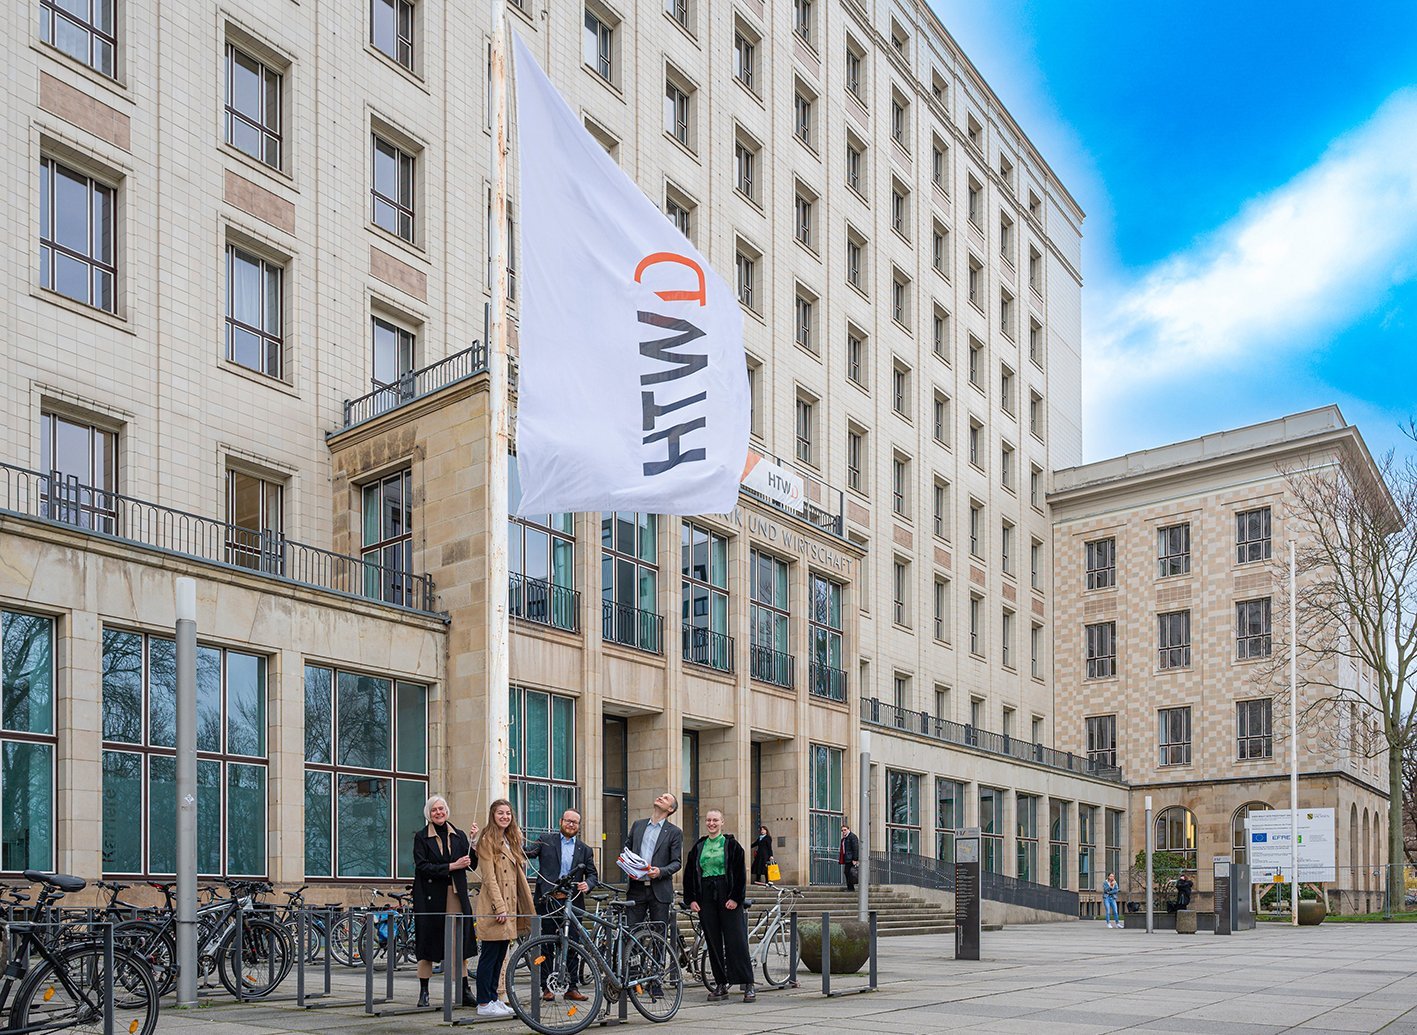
[
  {"x": 1221, "y": 763},
  {"x": 913, "y": 315}
]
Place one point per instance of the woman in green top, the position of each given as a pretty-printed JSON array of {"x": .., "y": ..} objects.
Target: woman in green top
[{"x": 715, "y": 880}]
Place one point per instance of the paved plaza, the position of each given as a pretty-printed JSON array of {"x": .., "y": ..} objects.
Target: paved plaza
[{"x": 1073, "y": 978}]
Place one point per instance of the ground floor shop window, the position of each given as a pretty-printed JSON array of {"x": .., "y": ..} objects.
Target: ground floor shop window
[
  {"x": 366, "y": 772},
  {"x": 991, "y": 829},
  {"x": 1026, "y": 806},
  {"x": 903, "y": 812},
  {"x": 27, "y": 742},
  {"x": 1058, "y": 843},
  {"x": 1112, "y": 836},
  {"x": 140, "y": 764},
  {"x": 542, "y": 759},
  {"x": 1087, "y": 845},
  {"x": 949, "y": 817}
]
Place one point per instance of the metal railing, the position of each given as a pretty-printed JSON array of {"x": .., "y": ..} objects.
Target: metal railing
[
  {"x": 632, "y": 626},
  {"x": 772, "y": 666},
  {"x": 66, "y": 501},
  {"x": 924, "y": 872},
  {"x": 826, "y": 682},
  {"x": 828, "y": 516},
  {"x": 880, "y": 713},
  {"x": 545, "y": 603},
  {"x": 415, "y": 384},
  {"x": 711, "y": 649}
]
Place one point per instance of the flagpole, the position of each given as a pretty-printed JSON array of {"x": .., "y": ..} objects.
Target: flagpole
[
  {"x": 1293, "y": 744},
  {"x": 498, "y": 634}
]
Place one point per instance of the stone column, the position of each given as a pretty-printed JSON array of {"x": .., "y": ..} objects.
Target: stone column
[
  {"x": 78, "y": 699},
  {"x": 285, "y": 775},
  {"x": 1009, "y": 820},
  {"x": 1070, "y": 861}
]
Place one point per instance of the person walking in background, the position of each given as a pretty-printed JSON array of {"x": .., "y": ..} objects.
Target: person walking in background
[
  {"x": 442, "y": 855},
  {"x": 561, "y": 855},
  {"x": 1109, "y": 900},
  {"x": 503, "y": 906},
  {"x": 715, "y": 879},
  {"x": 762, "y": 855},
  {"x": 661, "y": 844},
  {"x": 849, "y": 856}
]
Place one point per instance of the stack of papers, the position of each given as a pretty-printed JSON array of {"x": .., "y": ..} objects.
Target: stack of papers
[{"x": 635, "y": 867}]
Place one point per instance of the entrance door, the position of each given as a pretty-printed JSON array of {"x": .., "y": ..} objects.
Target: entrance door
[{"x": 614, "y": 803}]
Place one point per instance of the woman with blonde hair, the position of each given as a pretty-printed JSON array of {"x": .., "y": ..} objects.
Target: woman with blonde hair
[
  {"x": 442, "y": 855},
  {"x": 504, "y": 906}
]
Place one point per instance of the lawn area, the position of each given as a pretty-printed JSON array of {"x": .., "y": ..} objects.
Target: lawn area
[{"x": 1351, "y": 918}]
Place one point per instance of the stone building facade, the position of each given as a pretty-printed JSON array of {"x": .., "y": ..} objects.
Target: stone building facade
[{"x": 1170, "y": 571}]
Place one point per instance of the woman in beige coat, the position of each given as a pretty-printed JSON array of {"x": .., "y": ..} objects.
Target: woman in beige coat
[{"x": 504, "y": 905}]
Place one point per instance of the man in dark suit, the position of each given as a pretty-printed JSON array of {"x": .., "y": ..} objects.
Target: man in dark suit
[
  {"x": 561, "y": 855},
  {"x": 849, "y": 856},
  {"x": 661, "y": 844}
]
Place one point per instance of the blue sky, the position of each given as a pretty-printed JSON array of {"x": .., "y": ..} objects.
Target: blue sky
[{"x": 1249, "y": 173}]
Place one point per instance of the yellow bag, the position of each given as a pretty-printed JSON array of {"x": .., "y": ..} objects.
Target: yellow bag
[{"x": 774, "y": 873}]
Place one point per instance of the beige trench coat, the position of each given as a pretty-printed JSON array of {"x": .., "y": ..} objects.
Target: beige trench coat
[{"x": 504, "y": 890}]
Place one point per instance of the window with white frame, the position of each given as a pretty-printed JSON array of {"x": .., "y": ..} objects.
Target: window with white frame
[
  {"x": 940, "y": 333},
  {"x": 804, "y": 21},
  {"x": 976, "y": 628},
  {"x": 900, "y": 591},
  {"x": 900, "y": 298},
  {"x": 855, "y": 259},
  {"x": 678, "y": 110},
  {"x": 745, "y": 165},
  {"x": 804, "y": 116},
  {"x": 1035, "y": 655},
  {"x": 900, "y": 388},
  {"x": 806, "y": 428},
  {"x": 941, "y": 508},
  {"x": 900, "y": 484},
  {"x": 805, "y": 319},
  {"x": 1006, "y": 547},
  {"x": 1006, "y": 637},
  {"x": 855, "y": 163},
  {"x": 942, "y": 609},
  {"x": 805, "y": 205},
  {"x": 976, "y": 529},
  {"x": 855, "y": 457},
  {"x": 745, "y": 57}
]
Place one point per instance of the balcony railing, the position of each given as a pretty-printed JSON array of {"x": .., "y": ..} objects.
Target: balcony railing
[
  {"x": 772, "y": 666},
  {"x": 879, "y": 713},
  {"x": 826, "y": 515},
  {"x": 825, "y": 681},
  {"x": 632, "y": 626},
  {"x": 416, "y": 384},
  {"x": 66, "y": 501},
  {"x": 545, "y": 603},
  {"x": 710, "y": 649}
]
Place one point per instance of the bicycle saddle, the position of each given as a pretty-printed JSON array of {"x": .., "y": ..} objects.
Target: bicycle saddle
[{"x": 62, "y": 881}]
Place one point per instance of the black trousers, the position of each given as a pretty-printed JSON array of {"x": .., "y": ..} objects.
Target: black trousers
[
  {"x": 726, "y": 932},
  {"x": 644, "y": 906},
  {"x": 853, "y": 873}
]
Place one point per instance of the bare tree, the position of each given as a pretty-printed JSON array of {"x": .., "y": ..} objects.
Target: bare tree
[
  {"x": 1409, "y": 802},
  {"x": 1354, "y": 523}
]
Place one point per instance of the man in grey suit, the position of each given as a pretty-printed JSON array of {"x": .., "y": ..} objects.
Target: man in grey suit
[{"x": 661, "y": 844}]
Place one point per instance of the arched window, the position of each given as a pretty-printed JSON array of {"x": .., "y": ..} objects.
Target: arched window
[
  {"x": 1367, "y": 856},
  {"x": 1239, "y": 845},
  {"x": 1176, "y": 832}
]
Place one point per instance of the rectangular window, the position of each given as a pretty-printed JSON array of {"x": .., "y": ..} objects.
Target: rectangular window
[
  {"x": 806, "y": 429},
  {"x": 598, "y": 49},
  {"x": 940, "y": 333},
  {"x": 900, "y": 210},
  {"x": 541, "y": 557},
  {"x": 1253, "y": 731},
  {"x": 1035, "y": 487},
  {"x": 804, "y": 212},
  {"x": 768, "y": 620},
  {"x": 802, "y": 118},
  {"x": 1035, "y": 342},
  {"x": 854, "y": 60},
  {"x": 949, "y": 817},
  {"x": 976, "y": 529},
  {"x": 253, "y": 108},
  {"x": 629, "y": 580},
  {"x": 1174, "y": 736},
  {"x": 678, "y": 10},
  {"x": 976, "y": 364},
  {"x": 745, "y": 59},
  {"x": 255, "y": 519},
  {"x": 900, "y": 390},
  {"x": 900, "y": 484},
  {"x": 1102, "y": 650},
  {"x": 1112, "y": 835},
  {"x": 803, "y": 24},
  {"x": 139, "y": 690},
  {"x": 1006, "y": 547},
  {"x": 704, "y": 590},
  {"x": 976, "y": 449},
  {"x": 747, "y": 273},
  {"x": 1252, "y": 535},
  {"x": 1035, "y": 657},
  {"x": 27, "y": 742},
  {"x": 900, "y": 589},
  {"x": 393, "y": 348},
  {"x": 83, "y": 29},
  {"x": 1173, "y": 550},
  {"x": 1058, "y": 853},
  {"x": 1035, "y": 564},
  {"x": 855, "y": 455},
  {"x": 825, "y": 815},
  {"x": 941, "y": 509},
  {"x": 855, "y": 165},
  {"x": 755, "y": 397},
  {"x": 991, "y": 829},
  {"x": 80, "y": 465},
  {"x": 1102, "y": 741},
  {"x": 1173, "y": 639},
  {"x": 825, "y": 629},
  {"x": 975, "y": 204},
  {"x": 1252, "y": 629},
  {"x": 676, "y": 112},
  {"x": 942, "y": 609},
  {"x": 976, "y": 627},
  {"x": 855, "y": 357},
  {"x": 1087, "y": 846},
  {"x": 1006, "y": 635},
  {"x": 804, "y": 323},
  {"x": 902, "y": 813},
  {"x": 900, "y": 299},
  {"x": 745, "y": 169},
  {"x": 1101, "y": 563},
  {"x": 78, "y": 223},
  {"x": 393, "y": 188},
  {"x": 855, "y": 249},
  {"x": 1026, "y": 815},
  {"x": 898, "y": 120},
  {"x": 1006, "y": 466},
  {"x": 941, "y": 422},
  {"x": 939, "y": 165},
  {"x": 391, "y": 30},
  {"x": 254, "y": 312},
  {"x": 679, "y": 215},
  {"x": 388, "y": 539},
  {"x": 542, "y": 757}
]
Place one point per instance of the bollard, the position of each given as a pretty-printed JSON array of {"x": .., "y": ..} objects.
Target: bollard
[
  {"x": 368, "y": 940},
  {"x": 795, "y": 956},
  {"x": 240, "y": 947},
  {"x": 872, "y": 943},
  {"x": 452, "y": 929},
  {"x": 329, "y": 930},
  {"x": 391, "y": 955},
  {"x": 300, "y": 959},
  {"x": 108, "y": 979},
  {"x": 826, "y": 954}
]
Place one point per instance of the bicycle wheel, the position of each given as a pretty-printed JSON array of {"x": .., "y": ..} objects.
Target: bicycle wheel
[
  {"x": 699, "y": 963},
  {"x": 347, "y": 939},
  {"x": 555, "y": 965},
  {"x": 68, "y": 992},
  {"x": 266, "y": 955},
  {"x": 653, "y": 976},
  {"x": 156, "y": 945},
  {"x": 777, "y": 956}
]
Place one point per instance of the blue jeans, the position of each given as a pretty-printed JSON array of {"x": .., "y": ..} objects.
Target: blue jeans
[{"x": 1111, "y": 905}]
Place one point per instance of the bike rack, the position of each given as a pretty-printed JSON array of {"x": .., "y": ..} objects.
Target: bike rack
[{"x": 871, "y": 983}]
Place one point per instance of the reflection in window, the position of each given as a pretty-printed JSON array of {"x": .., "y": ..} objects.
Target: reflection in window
[
  {"x": 27, "y": 743},
  {"x": 542, "y": 759},
  {"x": 704, "y": 581}
]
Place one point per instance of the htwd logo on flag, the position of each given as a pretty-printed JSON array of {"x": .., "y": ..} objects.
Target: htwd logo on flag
[{"x": 633, "y": 387}]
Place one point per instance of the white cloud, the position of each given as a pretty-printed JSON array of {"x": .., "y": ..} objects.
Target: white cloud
[{"x": 1300, "y": 260}]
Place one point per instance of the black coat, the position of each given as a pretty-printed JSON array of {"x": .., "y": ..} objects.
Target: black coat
[
  {"x": 850, "y": 849},
  {"x": 668, "y": 856},
  {"x": 762, "y": 853},
  {"x": 431, "y": 879},
  {"x": 733, "y": 868},
  {"x": 548, "y": 866}
]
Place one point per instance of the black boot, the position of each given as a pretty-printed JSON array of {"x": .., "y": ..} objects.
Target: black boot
[
  {"x": 468, "y": 999},
  {"x": 422, "y": 991}
]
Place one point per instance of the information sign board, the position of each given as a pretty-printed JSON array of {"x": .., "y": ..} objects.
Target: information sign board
[{"x": 1270, "y": 850}]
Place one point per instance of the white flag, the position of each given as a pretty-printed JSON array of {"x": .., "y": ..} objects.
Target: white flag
[{"x": 633, "y": 387}]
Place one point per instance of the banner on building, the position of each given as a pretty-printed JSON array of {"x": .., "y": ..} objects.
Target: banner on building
[
  {"x": 632, "y": 382},
  {"x": 773, "y": 481}
]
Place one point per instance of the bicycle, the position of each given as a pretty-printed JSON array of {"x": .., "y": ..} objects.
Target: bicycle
[
  {"x": 392, "y": 927},
  {"x": 615, "y": 959},
  {"x": 773, "y": 931},
  {"x": 69, "y": 989},
  {"x": 693, "y": 954}
]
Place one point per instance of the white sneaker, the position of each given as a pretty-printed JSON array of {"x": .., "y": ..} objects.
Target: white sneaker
[
  {"x": 503, "y": 1010},
  {"x": 494, "y": 1009}
]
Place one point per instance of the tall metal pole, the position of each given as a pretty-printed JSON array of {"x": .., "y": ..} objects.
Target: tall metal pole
[
  {"x": 498, "y": 661},
  {"x": 863, "y": 901},
  {"x": 1150, "y": 848},
  {"x": 186, "y": 792},
  {"x": 1293, "y": 742}
]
